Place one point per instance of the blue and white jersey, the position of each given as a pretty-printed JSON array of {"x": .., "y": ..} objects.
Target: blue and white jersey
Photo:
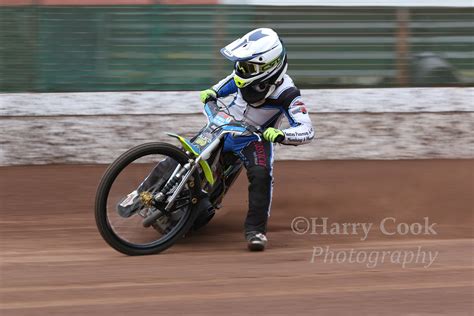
[{"x": 284, "y": 102}]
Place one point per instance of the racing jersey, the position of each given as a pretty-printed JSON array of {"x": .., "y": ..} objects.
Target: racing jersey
[{"x": 285, "y": 101}]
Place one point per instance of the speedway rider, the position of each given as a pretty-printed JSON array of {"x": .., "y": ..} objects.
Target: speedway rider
[{"x": 264, "y": 95}]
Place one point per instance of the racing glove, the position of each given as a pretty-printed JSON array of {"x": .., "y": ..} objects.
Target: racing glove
[
  {"x": 207, "y": 95},
  {"x": 273, "y": 135}
]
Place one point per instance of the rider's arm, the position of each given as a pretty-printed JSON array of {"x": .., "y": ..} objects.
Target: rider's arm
[
  {"x": 301, "y": 129},
  {"x": 225, "y": 87}
]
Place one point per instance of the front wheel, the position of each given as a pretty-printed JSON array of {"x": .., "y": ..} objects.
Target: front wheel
[{"x": 132, "y": 170}]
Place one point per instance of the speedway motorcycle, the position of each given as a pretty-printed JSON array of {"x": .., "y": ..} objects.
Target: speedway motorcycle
[{"x": 187, "y": 184}]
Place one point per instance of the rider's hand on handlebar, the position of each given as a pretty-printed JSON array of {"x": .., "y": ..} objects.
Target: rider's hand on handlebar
[
  {"x": 273, "y": 135},
  {"x": 207, "y": 95}
]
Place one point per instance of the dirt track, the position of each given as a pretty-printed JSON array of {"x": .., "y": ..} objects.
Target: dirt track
[{"x": 55, "y": 263}]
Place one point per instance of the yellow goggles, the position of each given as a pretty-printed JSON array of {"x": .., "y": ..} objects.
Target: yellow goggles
[{"x": 248, "y": 69}]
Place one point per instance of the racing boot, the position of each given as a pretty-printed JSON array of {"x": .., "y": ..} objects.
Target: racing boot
[
  {"x": 129, "y": 204},
  {"x": 256, "y": 241},
  {"x": 156, "y": 179}
]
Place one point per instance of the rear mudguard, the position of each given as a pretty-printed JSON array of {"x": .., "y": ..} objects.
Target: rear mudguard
[{"x": 192, "y": 149}]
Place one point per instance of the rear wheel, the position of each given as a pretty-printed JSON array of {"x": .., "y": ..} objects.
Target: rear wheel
[{"x": 127, "y": 234}]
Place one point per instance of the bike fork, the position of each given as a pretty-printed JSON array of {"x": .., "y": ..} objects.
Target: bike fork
[{"x": 180, "y": 176}]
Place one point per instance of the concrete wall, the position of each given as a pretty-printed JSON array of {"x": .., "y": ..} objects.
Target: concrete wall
[{"x": 350, "y": 124}]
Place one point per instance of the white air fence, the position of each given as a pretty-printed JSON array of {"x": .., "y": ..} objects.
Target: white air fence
[{"x": 350, "y": 124}]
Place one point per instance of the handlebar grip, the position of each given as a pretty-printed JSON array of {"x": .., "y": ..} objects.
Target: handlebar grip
[{"x": 253, "y": 129}]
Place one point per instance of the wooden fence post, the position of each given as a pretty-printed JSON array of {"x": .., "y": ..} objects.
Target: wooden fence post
[{"x": 403, "y": 46}]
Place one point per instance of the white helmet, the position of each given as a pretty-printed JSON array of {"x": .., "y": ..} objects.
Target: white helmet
[{"x": 260, "y": 63}]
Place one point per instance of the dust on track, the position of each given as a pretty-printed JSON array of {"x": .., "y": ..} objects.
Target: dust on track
[{"x": 55, "y": 263}]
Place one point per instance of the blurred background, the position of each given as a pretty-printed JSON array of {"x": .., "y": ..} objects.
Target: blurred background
[{"x": 108, "y": 45}]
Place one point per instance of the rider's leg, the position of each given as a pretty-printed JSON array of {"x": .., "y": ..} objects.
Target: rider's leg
[
  {"x": 258, "y": 159},
  {"x": 160, "y": 173},
  {"x": 155, "y": 180}
]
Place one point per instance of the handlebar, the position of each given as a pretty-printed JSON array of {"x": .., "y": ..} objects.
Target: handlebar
[{"x": 220, "y": 106}]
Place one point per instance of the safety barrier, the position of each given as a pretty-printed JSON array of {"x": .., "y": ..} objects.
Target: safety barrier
[{"x": 410, "y": 123}]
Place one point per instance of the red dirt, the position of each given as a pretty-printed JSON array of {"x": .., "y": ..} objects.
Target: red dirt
[{"x": 53, "y": 261}]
